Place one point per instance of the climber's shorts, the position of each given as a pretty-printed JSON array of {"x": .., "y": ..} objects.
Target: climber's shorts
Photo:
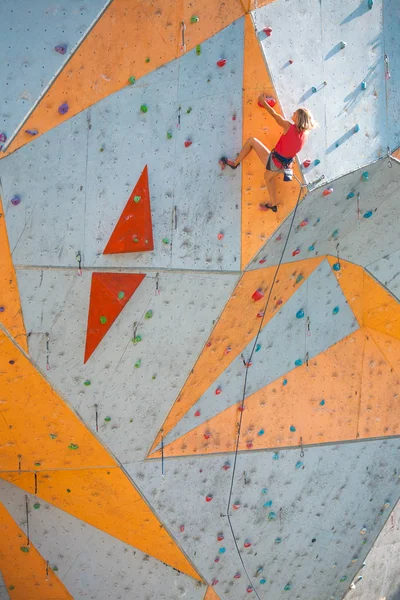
[{"x": 271, "y": 166}]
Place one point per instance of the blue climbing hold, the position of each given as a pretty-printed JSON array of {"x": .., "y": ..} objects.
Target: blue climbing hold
[
  {"x": 368, "y": 214},
  {"x": 288, "y": 587},
  {"x": 299, "y": 464},
  {"x": 322, "y": 403},
  {"x": 292, "y": 428},
  {"x": 222, "y": 550},
  {"x": 311, "y": 248},
  {"x": 356, "y": 128},
  {"x": 275, "y": 456},
  {"x": 284, "y": 382},
  {"x": 271, "y": 516},
  {"x": 267, "y": 504},
  {"x": 261, "y": 432},
  {"x": 258, "y": 347},
  {"x": 365, "y": 176},
  {"x": 262, "y": 581},
  {"x": 351, "y": 195},
  {"x": 298, "y": 362},
  {"x": 335, "y": 310},
  {"x": 370, "y": 4},
  {"x": 264, "y": 490},
  {"x": 335, "y": 233},
  {"x": 317, "y": 162},
  {"x": 300, "y": 314},
  {"x": 363, "y": 85},
  {"x": 336, "y": 266},
  {"x": 278, "y": 540},
  {"x": 314, "y": 90}
]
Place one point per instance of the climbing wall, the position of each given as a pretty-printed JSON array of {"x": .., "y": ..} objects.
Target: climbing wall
[{"x": 191, "y": 388}]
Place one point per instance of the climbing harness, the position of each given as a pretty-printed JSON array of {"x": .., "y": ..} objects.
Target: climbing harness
[{"x": 286, "y": 162}]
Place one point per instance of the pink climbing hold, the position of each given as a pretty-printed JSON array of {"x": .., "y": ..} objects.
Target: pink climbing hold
[
  {"x": 234, "y": 117},
  {"x": 296, "y": 252},
  {"x": 209, "y": 498},
  {"x": 278, "y": 239},
  {"x": 31, "y": 131},
  {"x": 188, "y": 143},
  {"x": 61, "y": 48},
  {"x": 3, "y": 137},
  {"x": 226, "y": 466},
  {"x": 15, "y": 200},
  {"x": 327, "y": 191},
  {"x": 221, "y": 62},
  {"x": 260, "y": 314},
  {"x": 249, "y": 444},
  {"x": 306, "y": 163},
  {"x": 208, "y": 344},
  {"x": 182, "y": 528},
  {"x": 63, "y": 108},
  {"x": 220, "y": 236},
  {"x": 197, "y": 413},
  {"x": 218, "y": 391},
  {"x": 258, "y": 294},
  {"x": 214, "y": 582},
  {"x": 227, "y": 350},
  {"x": 267, "y": 31},
  {"x": 216, "y": 559}
]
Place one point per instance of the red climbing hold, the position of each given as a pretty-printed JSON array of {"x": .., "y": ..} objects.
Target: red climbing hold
[
  {"x": 216, "y": 559},
  {"x": 221, "y": 62},
  {"x": 247, "y": 544},
  {"x": 197, "y": 413},
  {"x": 260, "y": 314},
  {"x": 236, "y": 506},
  {"x": 207, "y": 436},
  {"x": 188, "y": 143},
  {"x": 249, "y": 589},
  {"x": 296, "y": 252},
  {"x": 267, "y": 31},
  {"x": 220, "y": 236},
  {"x": 220, "y": 537},
  {"x": 327, "y": 191},
  {"x": 218, "y": 391},
  {"x": 262, "y": 261},
  {"x": 258, "y": 294},
  {"x": 269, "y": 100},
  {"x": 237, "y": 576},
  {"x": 290, "y": 61},
  {"x": 240, "y": 408},
  {"x": 208, "y": 344},
  {"x": 249, "y": 444},
  {"x": 106, "y": 301},
  {"x": 134, "y": 231},
  {"x": 209, "y": 498},
  {"x": 182, "y": 528},
  {"x": 226, "y": 466},
  {"x": 227, "y": 350},
  {"x": 214, "y": 582},
  {"x": 306, "y": 163}
]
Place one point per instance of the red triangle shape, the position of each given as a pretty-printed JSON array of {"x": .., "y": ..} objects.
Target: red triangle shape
[
  {"x": 109, "y": 293},
  {"x": 134, "y": 230}
]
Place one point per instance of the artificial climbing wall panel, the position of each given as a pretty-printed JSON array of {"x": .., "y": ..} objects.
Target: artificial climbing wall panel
[
  {"x": 317, "y": 29},
  {"x": 133, "y": 383},
  {"x": 289, "y": 518},
  {"x": 30, "y": 33},
  {"x": 88, "y": 166},
  {"x": 90, "y": 563},
  {"x": 3, "y": 589}
]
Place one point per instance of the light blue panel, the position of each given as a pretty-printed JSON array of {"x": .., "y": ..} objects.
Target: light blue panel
[
  {"x": 3, "y": 589},
  {"x": 47, "y": 227},
  {"x": 136, "y": 399},
  {"x": 387, "y": 271},
  {"x": 29, "y": 33},
  {"x": 91, "y": 563},
  {"x": 337, "y": 492},
  {"x": 391, "y": 28},
  {"x": 341, "y": 104},
  {"x": 283, "y": 341},
  {"x": 334, "y": 219}
]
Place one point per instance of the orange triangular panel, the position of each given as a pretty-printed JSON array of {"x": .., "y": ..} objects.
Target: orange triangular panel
[
  {"x": 210, "y": 594},
  {"x": 109, "y": 293},
  {"x": 134, "y": 230}
]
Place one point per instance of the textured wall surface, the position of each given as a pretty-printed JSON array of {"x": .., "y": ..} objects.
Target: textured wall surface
[{"x": 199, "y": 398}]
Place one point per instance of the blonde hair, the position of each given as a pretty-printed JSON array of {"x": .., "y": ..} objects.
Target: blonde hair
[{"x": 305, "y": 121}]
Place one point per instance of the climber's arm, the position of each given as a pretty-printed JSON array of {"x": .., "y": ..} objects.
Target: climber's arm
[{"x": 284, "y": 123}]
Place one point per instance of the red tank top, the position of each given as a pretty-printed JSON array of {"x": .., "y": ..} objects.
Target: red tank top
[{"x": 290, "y": 144}]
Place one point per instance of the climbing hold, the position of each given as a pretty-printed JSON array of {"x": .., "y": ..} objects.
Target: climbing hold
[
  {"x": 220, "y": 537},
  {"x": 290, "y": 61},
  {"x": 220, "y": 236},
  {"x": 288, "y": 587},
  {"x": 87, "y": 382},
  {"x": 260, "y": 314},
  {"x": 322, "y": 403},
  {"x": 149, "y": 314},
  {"x": 189, "y": 110},
  {"x": 314, "y": 90},
  {"x": 335, "y": 310},
  {"x": 247, "y": 544},
  {"x": 103, "y": 320},
  {"x": 188, "y": 143},
  {"x": 197, "y": 413},
  {"x": 258, "y": 347},
  {"x": 53, "y": 436},
  {"x": 296, "y": 252},
  {"x": 306, "y": 163},
  {"x": 24, "y": 549},
  {"x": 121, "y": 294},
  {"x": 236, "y": 506},
  {"x": 107, "y": 419},
  {"x": 217, "y": 559},
  {"x": 63, "y": 108},
  {"x": 198, "y": 49},
  {"x": 15, "y": 200},
  {"x": 73, "y": 446},
  {"x": 356, "y": 128},
  {"x": 131, "y": 80},
  {"x": 214, "y": 582},
  {"x": 271, "y": 516},
  {"x": 363, "y": 531},
  {"x": 237, "y": 576},
  {"x": 31, "y": 131},
  {"x": 300, "y": 314},
  {"x": 267, "y": 504},
  {"x": 278, "y": 540},
  {"x": 299, "y": 464},
  {"x": 136, "y": 199},
  {"x": 264, "y": 491},
  {"x": 144, "y": 108},
  {"x": 61, "y": 48},
  {"x": 350, "y": 195},
  {"x": 12, "y": 587},
  {"x": 387, "y": 504},
  {"x": 368, "y": 214},
  {"x": 292, "y": 428},
  {"x": 169, "y": 135},
  {"x": 241, "y": 408},
  {"x": 299, "y": 278},
  {"x": 343, "y": 45},
  {"x": 209, "y": 498},
  {"x": 137, "y": 339},
  {"x": 261, "y": 432},
  {"x": 363, "y": 85},
  {"x": 327, "y": 191},
  {"x": 343, "y": 578},
  {"x": 68, "y": 490},
  {"x": 249, "y": 444},
  {"x": 138, "y": 363},
  {"x": 227, "y": 350},
  {"x": 226, "y": 466},
  {"x": 221, "y": 62},
  {"x": 181, "y": 528},
  {"x": 267, "y": 31},
  {"x": 3, "y": 137},
  {"x": 304, "y": 223},
  {"x": 218, "y": 391},
  {"x": 207, "y": 435},
  {"x": 370, "y": 4},
  {"x": 222, "y": 550},
  {"x": 249, "y": 589},
  {"x": 365, "y": 176},
  {"x": 298, "y": 362},
  {"x": 262, "y": 581},
  {"x": 258, "y": 294},
  {"x": 317, "y": 162},
  {"x": 335, "y": 233},
  {"x": 336, "y": 266},
  {"x": 194, "y": 19},
  {"x": 275, "y": 456},
  {"x": 36, "y": 505},
  {"x": 38, "y": 464},
  {"x": 2, "y": 309},
  {"x": 165, "y": 241},
  {"x": 234, "y": 117}
]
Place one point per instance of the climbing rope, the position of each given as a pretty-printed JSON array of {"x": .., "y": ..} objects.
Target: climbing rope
[{"x": 247, "y": 366}]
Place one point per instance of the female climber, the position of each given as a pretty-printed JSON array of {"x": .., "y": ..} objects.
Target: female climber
[{"x": 280, "y": 159}]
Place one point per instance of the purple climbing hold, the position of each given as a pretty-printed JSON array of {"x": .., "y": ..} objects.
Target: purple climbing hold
[
  {"x": 61, "y": 48},
  {"x": 3, "y": 137},
  {"x": 15, "y": 200},
  {"x": 2, "y": 309},
  {"x": 31, "y": 131},
  {"x": 63, "y": 108}
]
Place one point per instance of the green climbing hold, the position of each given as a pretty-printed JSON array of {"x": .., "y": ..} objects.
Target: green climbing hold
[
  {"x": 154, "y": 376},
  {"x": 189, "y": 110},
  {"x": 198, "y": 49},
  {"x": 165, "y": 241},
  {"x": 73, "y": 446},
  {"x": 121, "y": 295},
  {"x": 87, "y": 382},
  {"x": 149, "y": 314},
  {"x": 137, "y": 199},
  {"x": 131, "y": 80},
  {"x": 101, "y": 149},
  {"x": 53, "y": 436},
  {"x": 138, "y": 363},
  {"x": 103, "y": 320},
  {"x": 135, "y": 239},
  {"x": 194, "y": 19},
  {"x": 169, "y": 135},
  {"x": 147, "y": 59},
  {"x": 24, "y": 549},
  {"x": 36, "y": 505},
  {"x": 343, "y": 578},
  {"x": 38, "y": 464},
  {"x": 12, "y": 587},
  {"x": 68, "y": 490},
  {"x": 107, "y": 419},
  {"x": 55, "y": 568},
  {"x": 144, "y": 108},
  {"x": 299, "y": 278},
  {"x": 137, "y": 339}
]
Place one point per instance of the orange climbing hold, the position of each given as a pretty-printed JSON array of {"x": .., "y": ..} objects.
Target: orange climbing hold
[
  {"x": 134, "y": 231},
  {"x": 109, "y": 293}
]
